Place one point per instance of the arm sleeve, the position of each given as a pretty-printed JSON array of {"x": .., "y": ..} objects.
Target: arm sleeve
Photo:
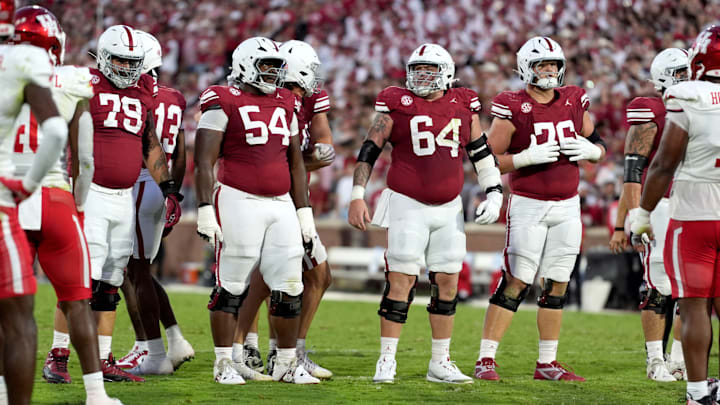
[
  {"x": 216, "y": 120},
  {"x": 384, "y": 101},
  {"x": 639, "y": 112},
  {"x": 584, "y": 99},
  {"x": 322, "y": 103},
  {"x": 86, "y": 164},
  {"x": 501, "y": 107}
]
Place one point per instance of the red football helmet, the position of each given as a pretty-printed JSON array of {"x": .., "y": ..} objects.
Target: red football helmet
[
  {"x": 7, "y": 11},
  {"x": 705, "y": 54},
  {"x": 37, "y": 26}
]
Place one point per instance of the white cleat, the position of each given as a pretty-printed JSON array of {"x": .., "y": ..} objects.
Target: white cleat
[
  {"x": 179, "y": 352},
  {"x": 104, "y": 400},
  {"x": 249, "y": 374},
  {"x": 446, "y": 371},
  {"x": 153, "y": 366},
  {"x": 385, "y": 370},
  {"x": 225, "y": 373},
  {"x": 313, "y": 368},
  {"x": 657, "y": 371},
  {"x": 677, "y": 369},
  {"x": 134, "y": 358},
  {"x": 293, "y": 373}
]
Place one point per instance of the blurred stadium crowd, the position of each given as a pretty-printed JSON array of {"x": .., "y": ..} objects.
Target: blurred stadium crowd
[{"x": 363, "y": 45}]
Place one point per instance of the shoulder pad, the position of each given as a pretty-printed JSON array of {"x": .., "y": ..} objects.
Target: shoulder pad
[
  {"x": 212, "y": 97},
  {"x": 74, "y": 81},
  {"x": 502, "y": 105},
  {"x": 31, "y": 63},
  {"x": 388, "y": 99}
]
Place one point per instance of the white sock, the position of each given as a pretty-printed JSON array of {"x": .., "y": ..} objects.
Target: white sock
[
  {"x": 94, "y": 386},
  {"x": 238, "y": 353},
  {"x": 697, "y": 390},
  {"x": 488, "y": 348},
  {"x": 286, "y": 356},
  {"x": 251, "y": 339},
  {"x": 300, "y": 346},
  {"x": 676, "y": 352},
  {"x": 105, "y": 344},
  {"x": 547, "y": 351},
  {"x": 272, "y": 344},
  {"x": 3, "y": 391},
  {"x": 156, "y": 348},
  {"x": 440, "y": 349},
  {"x": 223, "y": 353},
  {"x": 173, "y": 333},
  {"x": 388, "y": 346},
  {"x": 654, "y": 349},
  {"x": 60, "y": 340}
]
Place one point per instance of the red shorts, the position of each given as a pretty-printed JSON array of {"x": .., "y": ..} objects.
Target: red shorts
[
  {"x": 692, "y": 258},
  {"x": 16, "y": 271},
  {"x": 61, "y": 246}
]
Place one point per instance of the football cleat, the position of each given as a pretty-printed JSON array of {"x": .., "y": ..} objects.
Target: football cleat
[
  {"x": 105, "y": 400},
  {"x": 657, "y": 371},
  {"x": 225, "y": 373},
  {"x": 253, "y": 359},
  {"x": 292, "y": 372},
  {"x": 446, "y": 371},
  {"x": 270, "y": 364},
  {"x": 179, "y": 352},
  {"x": 249, "y": 374},
  {"x": 133, "y": 359},
  {"x": 706, "y": 400},
  {"x": 160, "y": 366},
  {"x": 555, "y": 372},
  {"x": 385, "y": 370},
  {"x": 485, "y": 369},
  {"x": 112, "y": 373},
  {"x": 55, "y": 369},
  {"x": 677, "y": 369},
  {"x": 313, "y": 368}
]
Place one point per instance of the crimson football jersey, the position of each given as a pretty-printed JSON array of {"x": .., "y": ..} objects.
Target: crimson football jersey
[
  {"x": 119, "y": 122},
  {"x": 253, "y": 155},
  {"x": 309, "y": 106},
  {"x": 427, "y": 138},
  {"x": 168, "y": 118},
  {"x": 642, "y": 110},
  {"x": 559, "y": 119}
]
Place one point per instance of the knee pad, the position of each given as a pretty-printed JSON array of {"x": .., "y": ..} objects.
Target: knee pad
[
  {"x": 105, "y": 296},
  {"x": 500, "y": 299},
  {"x": 652, "y": 300},
  {"x": 545, "y": 300},
  {"x": 436, "y": 305},
  {"x": 222, "y": 300},
  {"x": 285, "y": 305}
]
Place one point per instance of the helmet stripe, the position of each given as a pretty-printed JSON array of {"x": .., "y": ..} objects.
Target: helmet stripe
[
  {"x": 549, "y": 43},
  {"x": 131, "y": 44},
  {"x": 422, "y": 50}
]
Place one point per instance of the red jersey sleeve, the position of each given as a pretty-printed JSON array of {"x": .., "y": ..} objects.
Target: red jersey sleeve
[
  {"x": 584, "y": 99},
  {"x": 321, "y": 102},
  {"x": 210, "y": 99},
  {"x": 472, "y": 102},
  {"x": 639, "y": 111},
  {"x": 149, "y": 84},
  {"x": 387, "y": 99},
  {"x": 502, "y": 106}
]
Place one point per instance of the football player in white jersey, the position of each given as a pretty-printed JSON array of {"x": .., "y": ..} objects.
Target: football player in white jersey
[
  {"x": 689, "y": 151},
  {"x": 25, "y": 73}
]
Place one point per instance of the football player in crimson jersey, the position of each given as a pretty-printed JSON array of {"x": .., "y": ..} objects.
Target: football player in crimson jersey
[
  {"x": 50, "y": 217},
  {"x": 646, "y": 117},
  {"x": 688, "y": 157},
  {"x": 155, "y": 216},
  {"x": 25, "y": 73},
  {"x": 125, "y": 138},
  {"x": 427, "y": 124},
  {"x": 302, "y": 78},
  {"x": 250, "y": 129},
  {"x": 539, "y": 133}
]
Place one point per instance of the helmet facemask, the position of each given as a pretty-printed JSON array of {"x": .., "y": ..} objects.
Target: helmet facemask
[
  {"x": 423, "y": 82},
  {"x": 268, "y": 80},
  {"x": 121, "y": 76},
  {"x": 308, "y": 79},
  {"x": 547, "y": 80}
]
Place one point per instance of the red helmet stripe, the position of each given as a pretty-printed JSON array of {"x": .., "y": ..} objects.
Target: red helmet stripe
[
  {"x": 549, "y": 44},
  {"x": 422, "y": 50},
  {"x": 131, "y": 44}
]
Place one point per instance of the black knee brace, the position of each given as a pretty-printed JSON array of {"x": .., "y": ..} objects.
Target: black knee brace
[
  {"x": 285, "y": 305},
  {"x": 652, "y": 300},
  {"x": 396, "y": 311},
  {"x": 105, "y": 296},
  {"x": 545, "y": 300},
  {"x": 222, "y": 300},
  {"x": 436, "y": 305},
  {"x": 500, "y": 299}
]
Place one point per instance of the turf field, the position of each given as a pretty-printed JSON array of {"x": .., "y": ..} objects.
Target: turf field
[{"x": 605, "y": 349}]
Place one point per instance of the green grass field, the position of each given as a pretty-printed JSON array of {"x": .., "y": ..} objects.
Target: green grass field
[{"x": 605, "y": 349}]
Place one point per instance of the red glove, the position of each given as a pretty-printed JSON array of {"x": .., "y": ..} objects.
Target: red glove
[
  {"x": 16, "y": 187},
  {"x": 172, "y": 211}
]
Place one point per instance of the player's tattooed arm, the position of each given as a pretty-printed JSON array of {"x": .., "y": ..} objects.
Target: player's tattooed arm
[
  {"x": 153, "y": 153},
  {"x": 379, "y": 134},
  {"x": 640, "y": 139}
]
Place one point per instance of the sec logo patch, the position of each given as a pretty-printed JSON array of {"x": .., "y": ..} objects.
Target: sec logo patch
[
  {"x": 526, "y": 107},
  {"x": 234, "y": 91},
  {"x": 95, "y": 79},
  {"x": 406, "y": 100}
]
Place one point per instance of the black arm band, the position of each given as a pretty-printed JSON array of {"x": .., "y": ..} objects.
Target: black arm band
[
  {"x": 478, "y": 149},
  {"x": 595, "y": 138},
  {"x": 497, "y": 188},
  {"x": 620, "y": 228},
  {"x": 634, "y": 166},
  {"x": 369, "y": 152},
  {"x": 169, "y": 187}
]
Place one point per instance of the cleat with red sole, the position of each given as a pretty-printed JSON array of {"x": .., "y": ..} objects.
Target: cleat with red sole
[
  {"x": 485, "y": 369},
  {"x": 112, "y": 373},
  {"x": 133, "y": 359},
  {"x": 556, "y": 372},
  {"x": 55, "y": 369}
]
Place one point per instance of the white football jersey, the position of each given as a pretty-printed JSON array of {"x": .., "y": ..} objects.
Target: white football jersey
[
  {"x": 20, "y": 65},
  {"x": 70, "y": 85},
  {"x": 695, "y": 107}
]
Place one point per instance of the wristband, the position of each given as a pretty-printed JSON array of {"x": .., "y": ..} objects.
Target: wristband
[
  {"x": 620, "y": 228},
  {"x": 358, "y": 193}
]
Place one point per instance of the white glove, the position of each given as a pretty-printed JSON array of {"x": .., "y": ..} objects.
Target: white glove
[
  {"x": 489, "y": 210},
  {"x": 307, "y": 228},
  {"x": 207, "y": 225},
  {"x": 640, "y": 225},
  {"x": 324, "y": 152},
  {"x": 535, "y": 154},
  {"x": 580, "y": 148}
]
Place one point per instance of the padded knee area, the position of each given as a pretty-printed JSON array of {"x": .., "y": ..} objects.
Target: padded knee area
[
  {"x": 285, "y": 305},
  {"x": 395, "y": 311},
  {"x": 105, "y": 296},
  {"x": 223, "y": 300},
  {"x": 501, "y": 299},
  {"x": 436, "y": 305},
  {"x": 653, "y": 300},
  {"x": 545, "y": 300}
]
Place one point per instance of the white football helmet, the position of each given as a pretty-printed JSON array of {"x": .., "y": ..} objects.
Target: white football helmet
[
  {"x": 153, "y": 51},
  {"x": 120, "y": 42},
  {"x": 539, "y": 49},
  {"x": 666, "y": 65},
  {"x": 422, "y": 82},
  {"x": 246, "y": 59},
  {"x": 303, "y": 66}
]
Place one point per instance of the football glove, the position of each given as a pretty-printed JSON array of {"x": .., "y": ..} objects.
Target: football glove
[
  {"x": 489, "y": 210},
  {"x": 207, "y": 226},
  {"x": 580, "y": 148},
  {"x": 640, "y": 226},
  {"x": 535, "y": 154},
  {"x": 172, "y": 210},
  {"x": 324, "y": 152},
  {"x": 307, "y": 228}
]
